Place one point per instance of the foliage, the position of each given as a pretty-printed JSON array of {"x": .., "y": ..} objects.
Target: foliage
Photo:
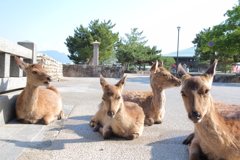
[
  {"x": 168, "y": 62},
  {"x": 132, "y": 49},
  {"x": 80, "y": 45},
  {"x": 225, "y": 37}
]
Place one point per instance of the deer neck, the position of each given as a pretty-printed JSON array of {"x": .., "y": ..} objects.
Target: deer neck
[
  {"x": 213, "y": 127},
  {"x": 31, "y": 95},
  {"x": 158, "y": 98}
]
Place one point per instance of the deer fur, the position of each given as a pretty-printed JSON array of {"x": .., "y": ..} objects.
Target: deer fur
[
  {"x": 153, "y": 102},
  {"x": 125, "y": 119},
  {"x": 216, "y": 125},
  {"x": 37, "y": 104}
]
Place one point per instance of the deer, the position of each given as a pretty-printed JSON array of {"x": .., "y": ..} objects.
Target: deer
[
  {"x": 216, "y": 132},
  {"x": 37, "y": 104},
  {"x": 153, "y": 102},
  {"x": 116, "y": 117}
]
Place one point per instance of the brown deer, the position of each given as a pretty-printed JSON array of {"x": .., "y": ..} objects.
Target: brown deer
[
  {"x": 36, "y": 103},
  {"x": 125, "y": 119},
  {"x": 153, "y": 102},
  {"x": 216, "y": 133}
]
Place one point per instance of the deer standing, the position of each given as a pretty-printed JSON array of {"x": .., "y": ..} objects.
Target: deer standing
[
  {"x": 125, "y": 119},
  {"x": 216, "y": 133},
  {"x": 153, "y": 102},
  {"x": 35, "y": 103}
]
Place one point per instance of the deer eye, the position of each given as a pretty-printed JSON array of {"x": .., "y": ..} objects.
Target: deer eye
[
  {"x": 183, "y": 94},
  {"x": 34, "y": 72},
  {"x": 118, "y": 97},
  {"x": 103, "y": 98},
  {"x": 206, "y": 91}
]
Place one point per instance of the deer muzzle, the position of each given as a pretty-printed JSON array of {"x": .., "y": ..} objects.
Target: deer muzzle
[
  {"x": 195, "y": 116},
  {"x": 110, "y": 114}
]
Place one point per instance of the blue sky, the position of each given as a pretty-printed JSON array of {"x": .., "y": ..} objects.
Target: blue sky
[{"x": 49, "y": 22}]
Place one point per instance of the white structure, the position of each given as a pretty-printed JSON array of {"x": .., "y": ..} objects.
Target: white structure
[{"x": 95, "y": 52}]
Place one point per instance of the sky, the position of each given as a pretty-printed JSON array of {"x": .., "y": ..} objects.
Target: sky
[{"x": 48, "y": 23}]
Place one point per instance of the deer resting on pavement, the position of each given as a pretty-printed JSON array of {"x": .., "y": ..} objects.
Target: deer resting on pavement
[
  {"x": 153, "y": 102},
  {"x": 216, "y": 133},
  {"x": 125, "y": 119},
  {"x": 37, "y": 104}
]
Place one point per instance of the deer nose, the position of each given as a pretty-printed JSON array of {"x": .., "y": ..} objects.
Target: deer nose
[
  {"x": 195, "y": 116},
  {"x": 110, "y": 114},
  {"x": 49, "y": 78}
]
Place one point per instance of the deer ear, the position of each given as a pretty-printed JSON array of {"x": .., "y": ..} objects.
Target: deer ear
[
  {"x": 121, "y": 83},
  {"x": 103, "y": 82},
  {"x": 160, "y": 64},
  {"x": 181, "y": 71},
  {"x": 154, "y": 67},
  {"x": 210, "y": 72},
  {"x": 22, "y": 65}
]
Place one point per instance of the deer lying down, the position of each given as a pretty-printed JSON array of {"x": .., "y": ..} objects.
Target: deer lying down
[
  {"x": 216, "y": 132},
  {"x": 125, "y": 119},
  {"x": 153, "y": 102},
  {"x": 36, "y": 104}
]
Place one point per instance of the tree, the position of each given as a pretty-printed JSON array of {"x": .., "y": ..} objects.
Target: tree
[
  {"x": 132, "y": 49},
  {"x": 80, "y": 45},
  {"x": 225, "y": 37}
]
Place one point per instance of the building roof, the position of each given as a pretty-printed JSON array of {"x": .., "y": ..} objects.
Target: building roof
[{"x": 189, "y": 52}]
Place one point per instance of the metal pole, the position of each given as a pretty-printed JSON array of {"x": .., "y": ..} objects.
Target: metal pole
[{"x": 177, "y": 49}]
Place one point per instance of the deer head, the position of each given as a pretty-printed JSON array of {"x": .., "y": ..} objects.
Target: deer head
[
  {"x": 196, "y": 92},
  {"x": 36, "y": 75},
  {"x": 161, "y": 78},
  {"x": 112, "y": 96}
]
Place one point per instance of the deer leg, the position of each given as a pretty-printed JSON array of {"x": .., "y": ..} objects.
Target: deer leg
[
  {"x": 194, "y": 151},
  {"x": 24, "y": 121},
  {"x": 47, "y": 119},
  {"x": 132, "y": 136},
  {"x": 189, "y": 139},
  {"x": 106, "y": 132},
  {"x": 160, "y": 116},
  {"x": 148, "y": 121},
  {"x": 60, "y": 115}
]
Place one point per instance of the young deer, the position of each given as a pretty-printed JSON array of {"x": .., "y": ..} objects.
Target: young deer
[
  {"x": 35, "y": 103},
  {"x": 153, "y": 102},
  {"x": 125, "y": 119},
  {"x": 216, "y": 132}
]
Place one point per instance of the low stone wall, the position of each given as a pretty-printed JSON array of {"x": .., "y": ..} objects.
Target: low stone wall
[
  {"x": 92, "y": 71},
  {"x": 227, "y": 79},
  {"x": 53, "y": 68}
]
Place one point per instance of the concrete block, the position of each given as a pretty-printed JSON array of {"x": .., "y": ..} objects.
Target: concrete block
[
  {"x": 7, "y": 106},
  {"x": 4, "y": 65},
  {"x": 7, "y": 84}
]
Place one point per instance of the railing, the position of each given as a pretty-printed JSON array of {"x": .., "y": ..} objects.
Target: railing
[{"x": 11, "y": 77}]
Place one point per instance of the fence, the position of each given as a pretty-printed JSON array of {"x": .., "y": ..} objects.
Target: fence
[{"x": 11, "y": 76}]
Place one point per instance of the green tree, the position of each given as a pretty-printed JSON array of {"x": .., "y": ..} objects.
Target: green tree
[
  {"x": 225, "y": 37},
  {"x": 80, "y": 45},
  {"x": 132, "y": 49}
]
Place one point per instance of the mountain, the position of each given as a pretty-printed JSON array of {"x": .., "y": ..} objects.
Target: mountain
[{"x": 58, "y": 56}]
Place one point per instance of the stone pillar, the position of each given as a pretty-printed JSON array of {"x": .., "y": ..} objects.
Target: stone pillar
[
  {"x": 4, "y": 65},
  {"x": 15, "y": 71},
  {"x": 31, "y": 46},
  {"x": 95, "y": 52}
]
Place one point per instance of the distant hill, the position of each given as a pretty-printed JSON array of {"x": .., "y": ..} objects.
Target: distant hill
[{"x": 58, "y": 56}]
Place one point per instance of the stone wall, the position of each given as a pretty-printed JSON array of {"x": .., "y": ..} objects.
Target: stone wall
[
  {"x": 227, "y": 79},
  {"x": 92, "y": 71},
  {"x": 53, "y": 68}
]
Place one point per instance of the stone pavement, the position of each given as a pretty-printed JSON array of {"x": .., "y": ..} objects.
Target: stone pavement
[{"x": 72, "y": 137}]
